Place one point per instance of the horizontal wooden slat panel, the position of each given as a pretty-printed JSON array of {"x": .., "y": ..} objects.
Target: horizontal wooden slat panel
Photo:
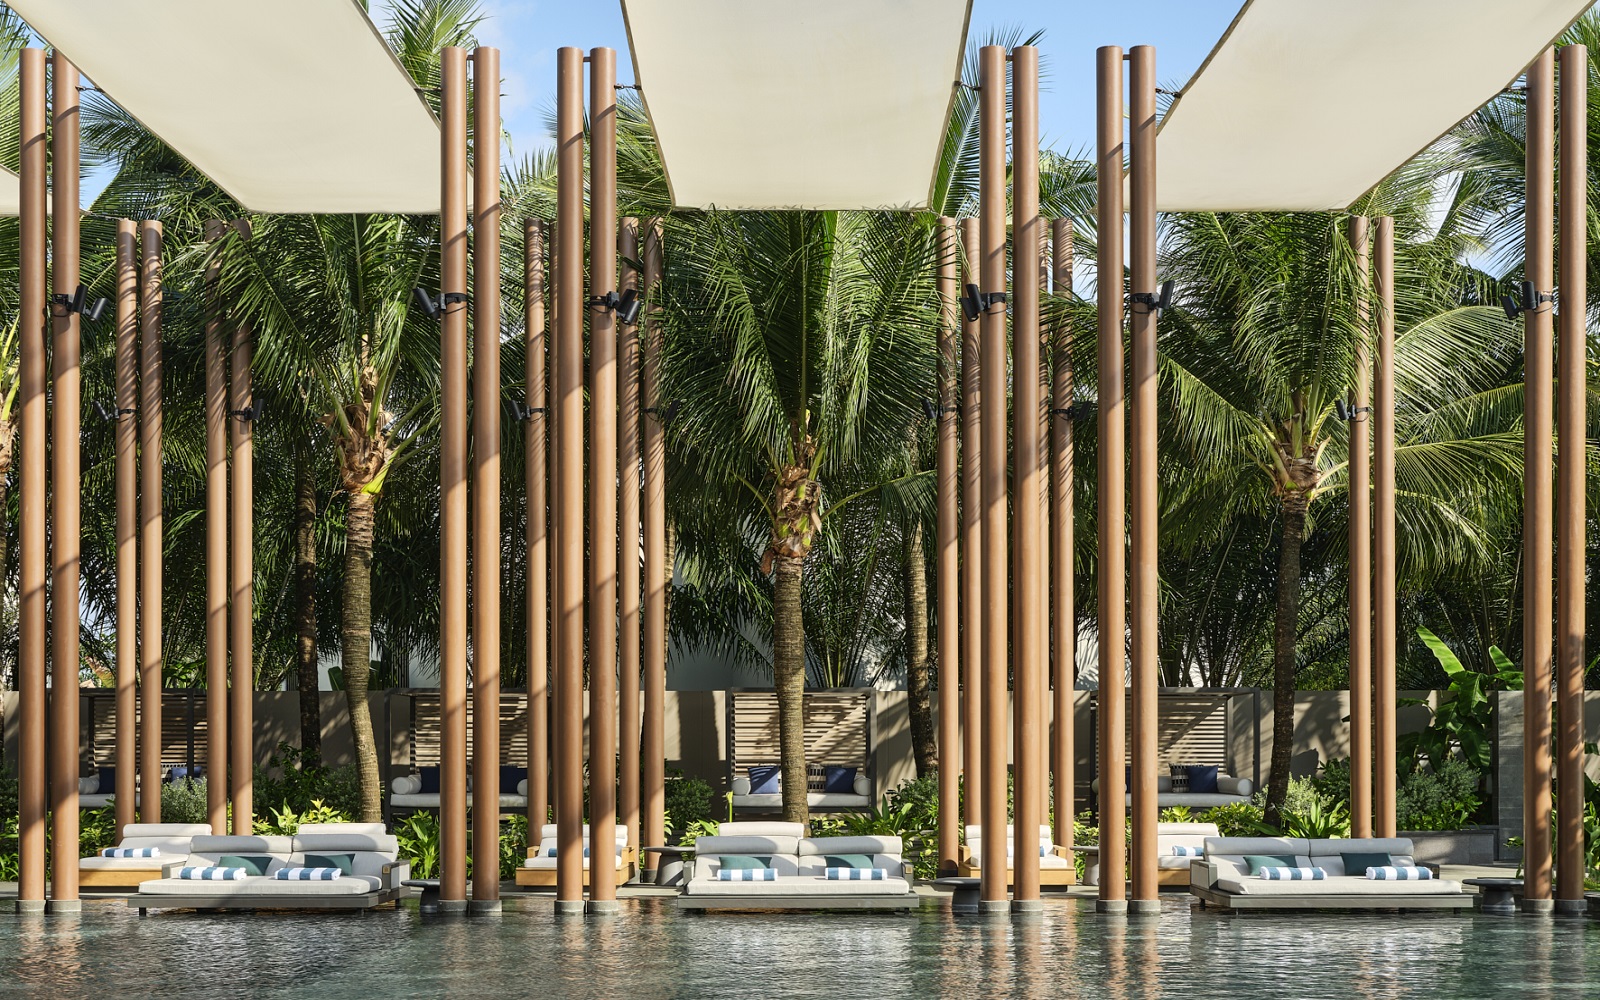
[
  {"x": 427, "y": 731},
  {"x": 98, "y": 727},
  {"x": 1190, "y": 729},
  {"x": 835, "y": 730}
]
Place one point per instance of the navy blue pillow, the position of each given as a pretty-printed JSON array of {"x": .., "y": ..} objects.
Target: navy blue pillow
[
  {"x": 108, "y": 781},
  {"x": 177, "y": 774},
  {"x": 430, "y": 780},
  {"x": 839, "y": 779},
  {"x": 1203, "y": 778},
  {"x": 510, "y": 777},
  {"x": 766, "y": 780}
]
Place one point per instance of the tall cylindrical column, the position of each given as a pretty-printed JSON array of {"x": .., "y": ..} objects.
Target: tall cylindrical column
[
  {"x": 1030, "y": 621},
  {"x": 152, "y": 526},
  {"x": 1537, "y": 490},
  {"x": 216, "y": 409},
  {"x": 538, "y": 538},
  {"x": 602, "y": 472},
  {"x": 657, "y": 574},
  {"x": 1384, "y": 620},
  {"x": 33, "y": 471},
  {"x": 996, "y": 648},
  {"x": 1063, "y": 609},
  {"x": 486, "y": 475},
  {"x": 1112, "y": 503},
  {"x": 65, "y": 487},
  {"x": 127, "y": 351},
  {"x": 1144, "y": 582},
  {"x": 948, "y": 575},
  {"x": 1573, "y": 513},
  {"x": 971, "y": 539},
  {"x": 453, "y": 480},
  {"x": 1360, "y": 543},
  {"x": 628, "y": 554},
  {"x": 567, "y": 456},
  {"x": 242, "y": 589}
]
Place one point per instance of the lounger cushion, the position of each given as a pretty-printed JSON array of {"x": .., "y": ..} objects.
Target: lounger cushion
[
  {"x": 740, "y": 786},
  {"x": 253, "y": 886},
  {"x": 431, "y": 801},
  {"x": 758, "y": 828},
  {"x": 549, "y": 832},
  {"x": 823, "y": 846},
  {"x": 343, "y": 843},
  {"x": 748, "y": 845},
  {"x": 1338, "y": 886},
  {"x": 219, "y": 846},
  {"x": 344, "y": 863},
  {"x": 406, "y": 784},
  {"x": 257, "y": 864},
  {"x": 374, "y": 829},
  {"x": 816, "y": 800},
  {"x": 814, "y": 885}
]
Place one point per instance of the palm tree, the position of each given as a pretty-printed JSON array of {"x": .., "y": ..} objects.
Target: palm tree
[
  {"x": 799, "y": 346},
  {"x": 1263, "y": 343}
]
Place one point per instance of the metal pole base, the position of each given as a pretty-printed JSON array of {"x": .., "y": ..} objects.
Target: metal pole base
[
  {"x": 994, "y": 907},
  {"x": 1116, "y": 907},
  {"x": 452, "y": 906},
  {"x": 64, "y": 906},
  {"x": 477, "y": 906},
  {"x": 604, "y": 907},
  {"x": 1144, "y": 906},
  {"x": 1541, "y": 907},
  {"x": 30, "y": 905},
  {"x": 1572, "y": 907},
  {"x": 1027, "y": 906},
  {"x": 569, "y": 907}
]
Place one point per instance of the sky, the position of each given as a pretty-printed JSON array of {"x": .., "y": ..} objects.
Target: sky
[{"x": 528, "y": 32}]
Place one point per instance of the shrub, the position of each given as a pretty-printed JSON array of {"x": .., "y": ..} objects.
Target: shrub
[
  {"x": 295, "y": 779},
  {"x": 688, "y": 800},
  {"x": 1236, "y": 819},
  {"x": 918, "y": 798},
  {"x": 184, "y": 801},
  {"x": 97, "y": 830},
  {"x": 1333, "y": 781},
  {"x": 418, "y": 836},
  {"x": 284, "y": 821},
  {"x": 1445, "y": 798}
]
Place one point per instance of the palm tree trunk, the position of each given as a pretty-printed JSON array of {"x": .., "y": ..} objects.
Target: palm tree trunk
[
  {"x": 789, "y": 678},
  {"x": 1284, "y": 631},
  {"x": 920, "y": 702},
  {"x": 305, "y": 596},
  {"x": 356, "y": 647}
]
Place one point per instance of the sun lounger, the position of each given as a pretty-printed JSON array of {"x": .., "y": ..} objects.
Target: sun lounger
[
  {"x": 539, "y": 870},
  {"x": 801, "y": 865},
  {"x": 171, "y": 841},
  {"x": 406, "y": 795},
  {"x": 374, "y": 877},
  {"x": 1055, "y": 864},
  {"x": 1222, "y": 878}
]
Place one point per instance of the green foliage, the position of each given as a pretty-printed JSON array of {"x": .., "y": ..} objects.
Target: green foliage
[
  {"x": 1236, "y": 819},
  {"x": 184, "y": 801},
  {"x": 1441, "y": 798},
  {"x": 703, "y": 828},
  {"x": 418, "y": 835},
  {"x": 97, "y": 830},
  {"x": 284, "y": 821},
  {"x": 294, "y": 780},
  {"x": 513, "y": 844},
  {"x": 689, "y": 800},
  {"x": 1333, "y": 781},
  {"x": 1463, "y": 721},
  {"x": 1175, "y": 814},
  {"x": 1318, "y": 820}
]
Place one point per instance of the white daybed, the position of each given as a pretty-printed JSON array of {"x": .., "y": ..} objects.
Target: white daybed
[
  {"x": 171, "y": 841},
  {"x": 539, "y": 870},
  {"x": 800, "y": 862},
  {"x": 1222, "y": 877}
]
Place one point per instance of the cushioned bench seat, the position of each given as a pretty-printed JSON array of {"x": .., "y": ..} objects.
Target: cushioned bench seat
[
  {"x": 1055, "y": 865},
  {"x": 375, "y": 876},
  {"x": 1222, "y": 878},
  {"x": 800, "y": 863},
  {"x": 539, "y": 869},
  {"x": 1229, "y": 791},
  {"x": 173, "y": 840}
]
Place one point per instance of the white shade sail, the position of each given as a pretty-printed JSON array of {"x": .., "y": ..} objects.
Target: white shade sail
[
  {"x": 825, "y": 104},
  {"x": 289, "y": 105},
  {"x": 1305, "y": 105},
  {"x": 10, "y": 193}
]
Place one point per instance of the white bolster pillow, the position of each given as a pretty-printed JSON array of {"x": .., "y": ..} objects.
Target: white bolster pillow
[
  {"x": 863, "y": 785},
  {"x": 741, "y": 786}
]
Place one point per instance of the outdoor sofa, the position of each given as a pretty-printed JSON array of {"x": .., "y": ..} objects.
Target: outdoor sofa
[
  {"x": 406, "y": 791},
  {"x": 801, "y": 864},
  {"x": 1222, "y": 878},
  {"x": 1177, "y": 845},
  {"x": 539, "y": 870},
  {"x": 1055, "y": 863},
  {"x": 375, "y": 875},
  {"x": 769, "y": 797},
  {"x": 1229, "y": 791},
  {"x": 170, "y": 842}
]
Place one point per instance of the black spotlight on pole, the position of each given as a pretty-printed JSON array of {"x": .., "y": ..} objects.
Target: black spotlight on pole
[
  {"x": 78, "y": 302},
  {"x": 425, "y": 302},
  {"x": 251, "y": 413},
  {"x": 1156, "y": 302},
  {"x": 972, "y": 303},
  {"x": 930, "y": 409},
  {"x": 628, "y": 306},
  {"x": 97, "y": 310}
]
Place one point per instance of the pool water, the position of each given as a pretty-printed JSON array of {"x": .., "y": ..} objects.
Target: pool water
[{"x": 651, "y": 950}]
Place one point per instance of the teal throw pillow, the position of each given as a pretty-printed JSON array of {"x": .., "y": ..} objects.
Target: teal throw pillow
[
  {"x": 743, "y": 862},
  {"x": 344, "y": 862},
  {"x": 1357, "y": 864},
  {"x": 1260, "y": 861},
  {"x": 848, "y": 861},
  {"x": 251, "y": 864}
]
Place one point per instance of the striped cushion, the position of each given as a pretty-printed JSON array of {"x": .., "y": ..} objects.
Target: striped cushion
[
  {"x": 131, "y": 852},
  {"x": 552, "y": 852},
  {"x": 1188, "y": 852},
  {"x": 1399, "y": 873},
  {"x": 307, "y": 874},
  {"x": 857, "y": 874},
  {"x": 1293, "y": 874},
  {"x": 747, "y": 874},
  {"x": 211, "y": 873}
]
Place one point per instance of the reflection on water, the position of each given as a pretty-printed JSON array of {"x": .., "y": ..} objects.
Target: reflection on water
[{"x": 651, "y": 951}]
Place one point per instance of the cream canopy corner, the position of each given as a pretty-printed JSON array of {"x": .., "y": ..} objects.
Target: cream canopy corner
[
  {"x": 1304, "y": 106},
  {"x": 825, "y": 104},
  {"x": 10, "y": 193},
  {"x": 289, "y": 105}
]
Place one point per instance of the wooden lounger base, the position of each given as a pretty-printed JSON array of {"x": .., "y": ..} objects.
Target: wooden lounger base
[
  {"x": 910, "y": 901},
  {"x": 545, "y": 878},
  {"x": 1056, "y": 877},
  {"x": 363, "y": 901},
  {"x": 119, "y": 878},
  {"x": 1236, "y": 902}
]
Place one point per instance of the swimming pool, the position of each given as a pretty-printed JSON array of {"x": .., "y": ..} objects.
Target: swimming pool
[{"x": 650, "y": 951}]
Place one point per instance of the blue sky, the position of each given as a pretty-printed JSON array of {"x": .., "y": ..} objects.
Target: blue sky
[{"x": 528, "y": 32}]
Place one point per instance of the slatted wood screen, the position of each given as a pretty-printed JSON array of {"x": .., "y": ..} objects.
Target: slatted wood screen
[
  {"x": 837, "y": 724},
  {"x": 1190, "y": 729},
  {"x": 427, "y": 733},
  {"x": 98, "y": 727}
]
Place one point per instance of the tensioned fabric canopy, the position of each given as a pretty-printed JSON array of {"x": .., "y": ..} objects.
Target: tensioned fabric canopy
[
  {"x": 1305, "y": 105},
  {"x": 825, "y": 104},
  {"x": 289, "y": 105},
  {"x": 10, "y": 193}
]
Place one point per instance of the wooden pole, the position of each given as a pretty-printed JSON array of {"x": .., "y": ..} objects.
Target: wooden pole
[
  {"x": 65, "y": 487},
  {"x": 1384, "y": 621},
  {"x": 971, "y": 539},
  {"x": 1112, "y": 502},
  {"x": 127, "y": 348},
  {"x": 657, "y": 574},
  {"x": 1573, "y": 513},
  {"x": 33, "y": 471},
  {"x": 628, "y": 553},
  {"x": 241, "y": 607},
  {"x": 453, "y": 483},
  {"x": 486, "y": 540},
  {"x": 948, "y": 576},
  {"x": 1030, "y": 621},
  {"x": 151, "y": 520},
  {"x": 538, "y": 537},
  {"x": 1063, "y": 611},
  {"x": 1361, "y": 548},
  {"x": 216, "y": 408},
  {"x": 1538, "y": 488}
]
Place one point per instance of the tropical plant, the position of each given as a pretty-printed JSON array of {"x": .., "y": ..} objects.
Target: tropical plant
[
  {"x": 295, "y": 779},
  {"x": 688, "y": 800},
  {"x": 1236, "y": 819},
  {"x": 285, "y": 820},
  {"x": 1463, "y": 720},
  {"x": 418, "y": 838},
  {"x": 184, "y": 801},
  {"x": 1437, "y": 798}
]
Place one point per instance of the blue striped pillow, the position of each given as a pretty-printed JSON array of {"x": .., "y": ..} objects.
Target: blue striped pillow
[
  {"x": 856, "y": 874},
  {"x": 212, "y": 873},
  {"x": 747, "y": 874},
  {"x": 1399, "y": 873},
  {"x": 131, "y": 852},
  {"x": 307, "y": 874},
  {"x": 1293, "y": 874}
]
